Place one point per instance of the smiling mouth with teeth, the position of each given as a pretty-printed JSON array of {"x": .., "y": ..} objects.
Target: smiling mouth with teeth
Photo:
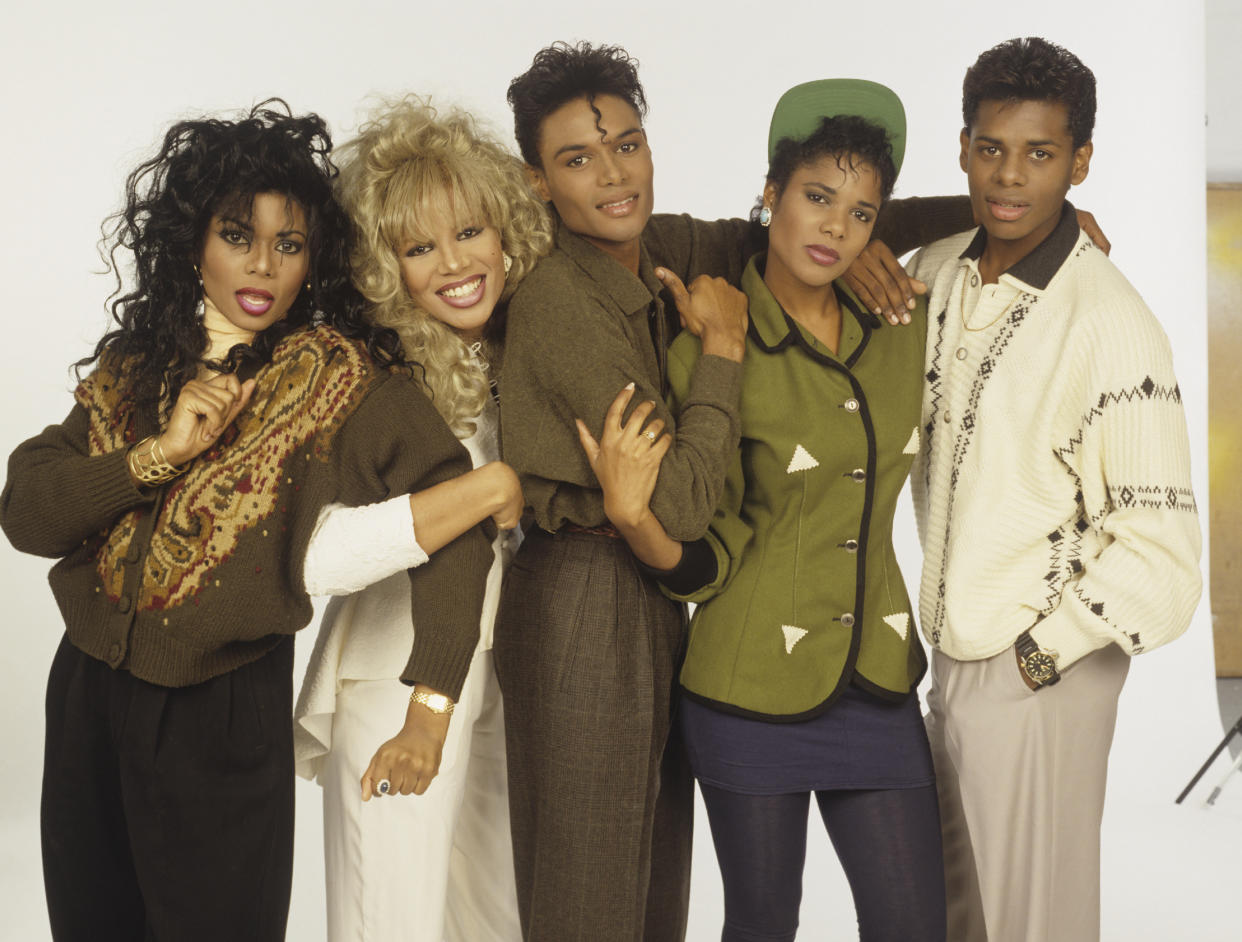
[
  {"x": 618, "y": 203},
  {"x": 463, "y": 290}
]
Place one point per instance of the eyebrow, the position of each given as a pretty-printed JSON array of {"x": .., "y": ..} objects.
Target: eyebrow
[
  {"x": 831, "y": 192},
  {"x": 575, "y": 148},
  {"x": 249, "y": 227},
  {"x": 997, "y": 140}
]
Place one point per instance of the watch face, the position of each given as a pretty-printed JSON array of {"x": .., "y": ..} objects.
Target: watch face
[
  {"x": 437, "y": 702},
  {"x": 1039, "y": 666}
]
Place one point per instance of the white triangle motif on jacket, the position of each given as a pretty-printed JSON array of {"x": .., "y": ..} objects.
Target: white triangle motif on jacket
[
  {"x": 801, "y": 461},
  {"x": 792, "y": 636},
  {"x": 900, "y": 623},
  {"x": 912, "y": 446}
]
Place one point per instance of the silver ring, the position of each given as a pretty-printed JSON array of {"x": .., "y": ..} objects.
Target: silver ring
[
  {"x": 384, "y": 786},
  {"x": 651, "y": 436}
]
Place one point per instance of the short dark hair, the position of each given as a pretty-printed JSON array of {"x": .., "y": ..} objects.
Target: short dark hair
[
  {"x": 845, "y": 137},
  {"x": 559, "y": 74},
  {"x": 1032, "y": 69}
]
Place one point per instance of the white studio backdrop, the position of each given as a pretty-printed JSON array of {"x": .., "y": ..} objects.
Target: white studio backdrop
[{"x": 90, "y": 88}]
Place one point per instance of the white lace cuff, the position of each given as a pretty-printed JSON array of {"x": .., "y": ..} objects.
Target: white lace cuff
[{"x": 353, "y": 547}]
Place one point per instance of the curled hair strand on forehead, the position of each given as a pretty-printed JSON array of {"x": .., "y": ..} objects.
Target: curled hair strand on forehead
[
  {"x": 852, "y": 140},
  {"x": 561, "y": 73}
]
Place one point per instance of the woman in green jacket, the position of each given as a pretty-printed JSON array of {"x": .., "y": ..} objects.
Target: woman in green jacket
[{"x": 802, "y": 660}]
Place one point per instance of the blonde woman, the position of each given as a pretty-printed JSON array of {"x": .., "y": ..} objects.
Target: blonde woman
[{"x": 446, "y": 226}]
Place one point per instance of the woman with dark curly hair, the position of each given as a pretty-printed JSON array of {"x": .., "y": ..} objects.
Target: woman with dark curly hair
[
  {"x": 446, "y": 226},
  {"x": 802, "y": 664},
  {"x": 239, "y": 393}
]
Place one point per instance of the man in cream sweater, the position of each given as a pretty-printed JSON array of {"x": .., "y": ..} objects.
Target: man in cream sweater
[{"x": 1053, "y": 498}]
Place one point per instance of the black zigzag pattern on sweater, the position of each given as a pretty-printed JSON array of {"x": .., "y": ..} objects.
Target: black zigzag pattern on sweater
[
  {"x": 965, "y": 436},
  {"x": 933, "y": 377},
  {"x": 1065, "y": 557},
  {"x": 1147, "y": 390}
]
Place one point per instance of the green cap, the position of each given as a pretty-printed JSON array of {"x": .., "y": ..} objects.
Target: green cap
[{"x": 800, "y": 110}]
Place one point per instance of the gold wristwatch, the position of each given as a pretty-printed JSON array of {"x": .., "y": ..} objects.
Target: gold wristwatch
[
  {"x": 435, "y": 702},
  {"x": 1039, "y": 664}
]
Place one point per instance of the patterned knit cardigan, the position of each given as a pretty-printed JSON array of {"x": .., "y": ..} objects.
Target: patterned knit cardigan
[{"x": 203, "y": 575}]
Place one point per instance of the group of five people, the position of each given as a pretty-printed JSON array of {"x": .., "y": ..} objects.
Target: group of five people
[{"x": 278, "y": 415}]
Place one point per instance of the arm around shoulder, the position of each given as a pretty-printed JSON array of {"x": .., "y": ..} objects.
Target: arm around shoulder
[{"x": 396, "y": 444}]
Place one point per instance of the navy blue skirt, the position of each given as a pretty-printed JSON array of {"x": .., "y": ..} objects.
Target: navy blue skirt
[{"x": 860, "y": 742}]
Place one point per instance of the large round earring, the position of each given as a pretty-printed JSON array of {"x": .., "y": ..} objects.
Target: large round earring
[
  {"x": 507, "y": 259},
  {"x": 765, "y": 216}
]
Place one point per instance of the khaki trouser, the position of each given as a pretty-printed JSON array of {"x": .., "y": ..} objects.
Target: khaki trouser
[{"x": 1021, "y": 777}]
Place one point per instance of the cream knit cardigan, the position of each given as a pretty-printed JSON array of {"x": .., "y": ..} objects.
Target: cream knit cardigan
[{"x": 1053, "y": 488}]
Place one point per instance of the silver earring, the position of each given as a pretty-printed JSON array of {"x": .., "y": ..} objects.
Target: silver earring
[
  {"x": 765, "y": 217},
  {"x": 508, "y": 261},
  {"x": 200, "y": 309}
]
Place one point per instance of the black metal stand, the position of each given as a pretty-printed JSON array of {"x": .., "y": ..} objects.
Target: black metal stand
[{"x": 1234, "y": 730}]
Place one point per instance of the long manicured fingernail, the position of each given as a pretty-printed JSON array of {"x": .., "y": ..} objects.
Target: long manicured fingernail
[{"x": 629, "y": 385}]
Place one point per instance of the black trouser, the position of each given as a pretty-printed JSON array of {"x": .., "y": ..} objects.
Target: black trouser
[
  {"x": 888, "y": 841},
  {"x": 167, "y": 812}
]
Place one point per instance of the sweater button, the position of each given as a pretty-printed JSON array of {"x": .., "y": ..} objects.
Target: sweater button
[
  {"x": 947, "y": 419},
  {"x": 974, "y": 280},
  {"x": 848, "y": 619},
  {"x": 123, "y": 604},
  {"x": 851, "y": 546},
  {"x": 961, "y": 353},
  {"x": 859, "y": 475},
  {"x": 851, "y": 405}
]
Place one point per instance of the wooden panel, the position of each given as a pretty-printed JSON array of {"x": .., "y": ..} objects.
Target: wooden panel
[{"x": 1224, "y": 218}]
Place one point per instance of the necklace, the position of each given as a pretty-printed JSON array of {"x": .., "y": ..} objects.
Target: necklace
[
  {"x": 961, "y": 307},
  {"x": 476, "y": 353}
]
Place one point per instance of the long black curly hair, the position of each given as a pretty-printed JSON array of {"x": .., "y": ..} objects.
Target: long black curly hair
[{"x": 209, "y": 167}]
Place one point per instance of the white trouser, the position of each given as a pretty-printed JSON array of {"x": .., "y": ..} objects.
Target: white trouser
[
  {"x": 1021, "y": 779},
  {"x": 420, "y": 868}
]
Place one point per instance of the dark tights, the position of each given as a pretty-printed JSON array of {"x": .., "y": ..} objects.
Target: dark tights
[{"x": 888, "y": 842}]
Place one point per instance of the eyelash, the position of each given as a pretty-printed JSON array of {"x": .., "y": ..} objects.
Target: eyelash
[
  {"x": 822, "y": 200},
  {"x": 625, "y": 148},
  {"x": 421, "y": 249},
  {"x": 239, "y": 238},
  {"x": 990, "y": 150}
]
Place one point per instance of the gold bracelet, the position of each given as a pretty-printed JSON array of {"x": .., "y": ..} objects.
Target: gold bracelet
[
  {"x": 149, "y": 466},
  {"x": 435, "y": 702}
]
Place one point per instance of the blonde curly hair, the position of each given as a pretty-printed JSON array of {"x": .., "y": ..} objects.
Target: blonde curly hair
[{"x": 410, "y": 162}]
